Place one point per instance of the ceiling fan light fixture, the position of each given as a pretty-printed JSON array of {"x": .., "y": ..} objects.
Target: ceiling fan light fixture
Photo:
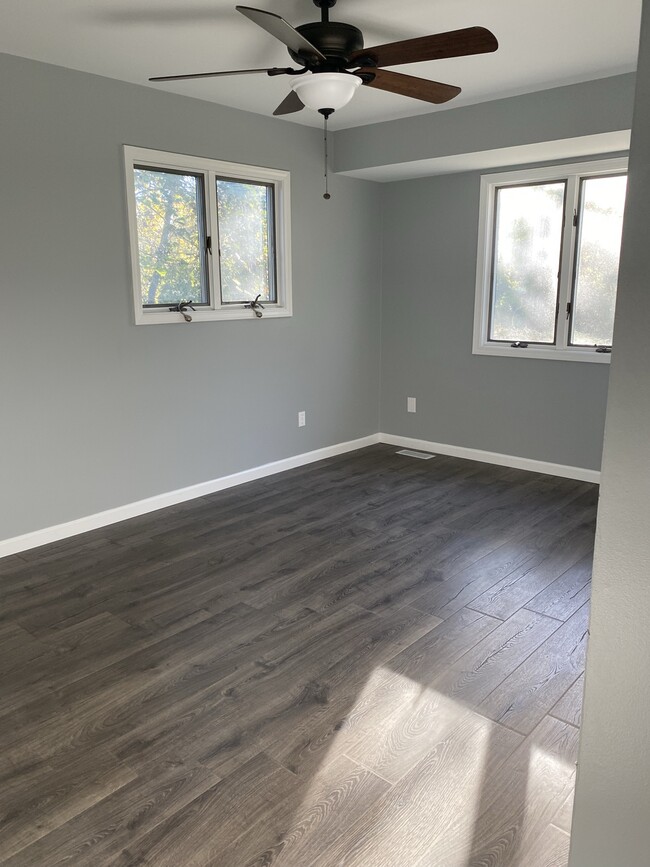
[{"x": 326, "y": 90}]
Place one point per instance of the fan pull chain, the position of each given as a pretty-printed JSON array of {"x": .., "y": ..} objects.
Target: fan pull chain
[{"x": 327, "y": 192}]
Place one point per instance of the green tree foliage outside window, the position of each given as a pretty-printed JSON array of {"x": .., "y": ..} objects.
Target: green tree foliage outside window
[
  {"x": 170, "y": 210},
  {"x": 171, "y": 244}
]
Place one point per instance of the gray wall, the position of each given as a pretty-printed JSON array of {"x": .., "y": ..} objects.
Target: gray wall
[
  {"x": 612, "y": 807},
  {"x": 590, "y": 108},
  {"x": 97, "y": 412},
  {"x": 547, "y": 410}
]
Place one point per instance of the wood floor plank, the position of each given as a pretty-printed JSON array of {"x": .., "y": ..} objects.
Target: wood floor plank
[
  {"x": 48, "y": 794},
  {"x": 550, "y": 849},
  {"x": 427, "y": 658},
  {"x": 213, "y": 820},
  {"x": 567, "y": 593},
  {"x": 519, "y": 800},
  {"x": 530, "y": 692},
  {"x": 11, "y": 564},
  {"x": 564, "y": 816},
  {"x": 435, "y": 798},
  {"x": 340, "y": 577},
  {"x": 317, "y": 811},
  {"x": 521, "y": 586},
  {"x": 389, "y": 576},
  {"x": 99, "y": 834},
  {"x": 334, "y": 729},
  {"x": 69, "y": 654},
  {"x": 97, "y": 709},
  {"x": 569, "y": 707},
  {"x": 473, "y": 676},
  {"x": 393, "y": 746},
  {"x": 445, "y": 598},
  {"x": 18, "y": 648}
]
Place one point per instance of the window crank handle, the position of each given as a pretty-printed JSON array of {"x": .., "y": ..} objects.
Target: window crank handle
[{"x": 182, "y": 308}]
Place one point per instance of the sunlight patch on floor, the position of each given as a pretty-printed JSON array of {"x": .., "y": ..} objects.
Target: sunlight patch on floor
[{"x": 426, "y": 750}]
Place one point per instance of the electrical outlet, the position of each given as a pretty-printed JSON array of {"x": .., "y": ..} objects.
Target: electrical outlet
[
  {"x": 302, "y": 418},
  {"x": 410, "y": 404}
]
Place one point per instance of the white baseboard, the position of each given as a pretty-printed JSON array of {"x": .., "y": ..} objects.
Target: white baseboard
[
  {"x": 131, "y": 510},
  {"x": 171, "y": 498},
  {"x": 579, "y": 473}
]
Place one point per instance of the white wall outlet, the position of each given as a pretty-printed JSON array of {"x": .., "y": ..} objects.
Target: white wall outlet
[
  {"x": 302, "y": 418},
  {"x": 410, "y": 404}
]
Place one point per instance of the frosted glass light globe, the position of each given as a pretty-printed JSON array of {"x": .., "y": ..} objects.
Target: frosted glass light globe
[{"x": 323, "y": 90}]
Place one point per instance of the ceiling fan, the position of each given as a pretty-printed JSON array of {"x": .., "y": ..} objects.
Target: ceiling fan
[{"x": 333, "y": 62}]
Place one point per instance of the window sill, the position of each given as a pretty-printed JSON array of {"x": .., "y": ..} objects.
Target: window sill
[
  {"x": 168, "y": 317},
  {"x": 588, "y": 355}
]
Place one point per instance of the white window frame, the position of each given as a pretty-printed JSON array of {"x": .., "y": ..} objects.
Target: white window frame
[
  {"x": 211, "y": 170},
  {"x": 572, "y": 174}
]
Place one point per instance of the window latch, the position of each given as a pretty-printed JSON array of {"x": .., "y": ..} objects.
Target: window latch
[
  {"x": 604, "y": 349},
  {"x": 519, "y": 344},
  {"x": 182, "y": 308},
  {"x": 255, "y": 306}
]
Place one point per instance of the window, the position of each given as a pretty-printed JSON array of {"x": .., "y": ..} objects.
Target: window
[
  {"x": 209, "y": 234},
  {"x": 547, "y": 269}
]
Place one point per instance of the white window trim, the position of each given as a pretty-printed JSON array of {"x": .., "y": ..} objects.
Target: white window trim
[
  {"x": 489, "y": 184},
  {"x": 209, "y": 167}
]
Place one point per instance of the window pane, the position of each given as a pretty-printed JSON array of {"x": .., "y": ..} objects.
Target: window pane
[
  {"x": 245, "y": 241},
  {"x": 601, "y": 223},
  {"x": 171, "y": 243},
  {"x": 527, "y": 249}
]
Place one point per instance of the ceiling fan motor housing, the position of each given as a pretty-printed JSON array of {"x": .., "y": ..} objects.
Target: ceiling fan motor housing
[{"x": 337, "y": 41}]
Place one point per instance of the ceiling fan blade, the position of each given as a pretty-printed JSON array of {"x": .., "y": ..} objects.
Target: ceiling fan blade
[
  {"x": 290, "y": 104},
  {"x": 454, "y": 43},
  {"x": 408, "y": 85},
  {"x": 282, "y": 30},
  {"x": 273, "y": 71}
]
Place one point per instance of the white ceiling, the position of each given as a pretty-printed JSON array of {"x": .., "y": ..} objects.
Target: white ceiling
[{"x": 542, "y": 44}]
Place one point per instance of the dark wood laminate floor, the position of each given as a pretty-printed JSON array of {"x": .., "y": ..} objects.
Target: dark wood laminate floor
[{"x": 373, "y": 661}]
